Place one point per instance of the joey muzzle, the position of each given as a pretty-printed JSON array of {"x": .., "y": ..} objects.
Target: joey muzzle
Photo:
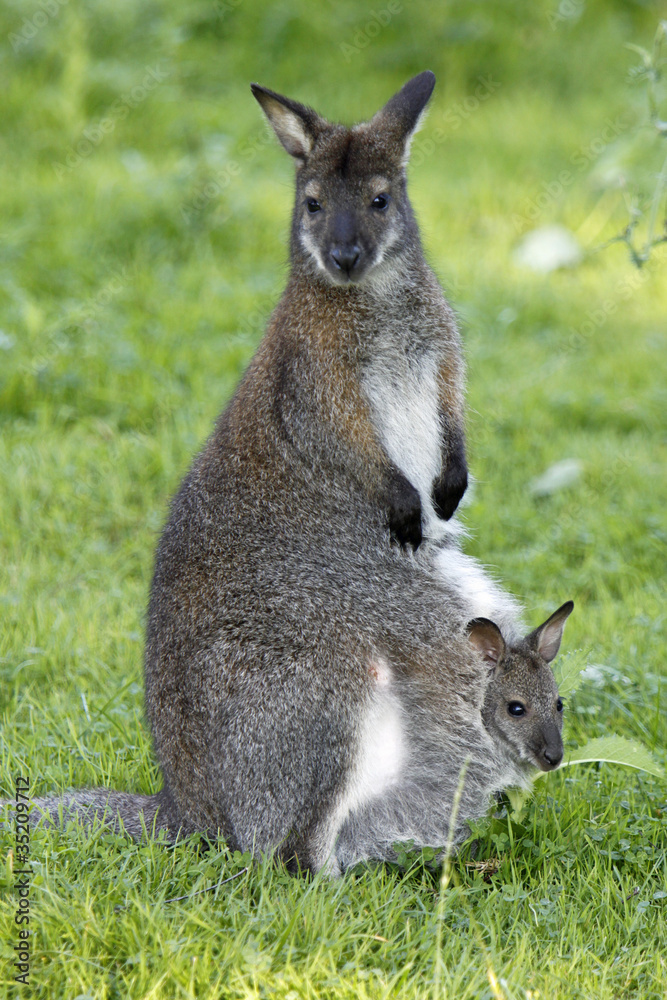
[{"x": 550, "y": 754}]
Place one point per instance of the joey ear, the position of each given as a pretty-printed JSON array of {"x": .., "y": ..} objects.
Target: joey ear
[
  {"x": 545, "y": 640},
  {"x": 486, "y": 638},
  {"x": 401, "y": 116},
  {"x": 295, "y": 125}
]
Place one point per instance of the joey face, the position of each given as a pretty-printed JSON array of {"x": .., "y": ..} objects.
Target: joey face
[
  {"x": 352, "y": 217},
  {"x": 522, "y": 707}
]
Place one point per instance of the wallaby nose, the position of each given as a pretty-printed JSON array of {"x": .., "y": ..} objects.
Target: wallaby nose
[
  {"x": 553, "y": 757},
  {"x": 346, "y": 258}
]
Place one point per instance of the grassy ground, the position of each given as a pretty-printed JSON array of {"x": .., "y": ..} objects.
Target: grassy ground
[{"x": 142, "y": 250}]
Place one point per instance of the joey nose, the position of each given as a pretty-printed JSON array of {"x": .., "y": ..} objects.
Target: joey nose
[
  {"x": 346, "y": 258},
  {"x": 553, "y": 757}
]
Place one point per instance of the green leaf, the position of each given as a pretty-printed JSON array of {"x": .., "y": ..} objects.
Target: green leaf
[
  {"x": 518, "y": 799},
  {"x": 605, "y": 750},
  {"x": 568, "y": 675},
  {"x": 615, "y": 750}
]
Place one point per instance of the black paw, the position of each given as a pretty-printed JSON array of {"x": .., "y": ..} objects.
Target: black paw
[
  {"x": 405, "y": 513},
  {"x": 450, "y": 487}
]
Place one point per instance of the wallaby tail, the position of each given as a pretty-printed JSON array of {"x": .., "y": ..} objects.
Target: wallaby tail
[{"x": 121, "y": 811}]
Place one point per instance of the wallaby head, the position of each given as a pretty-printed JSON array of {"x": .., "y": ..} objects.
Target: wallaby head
[
  {"x": 352, "y": 215},
  {"x": 521, "y": 704}
]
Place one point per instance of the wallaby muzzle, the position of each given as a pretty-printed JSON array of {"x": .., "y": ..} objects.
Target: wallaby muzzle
[{"x": 346, "y": 258}]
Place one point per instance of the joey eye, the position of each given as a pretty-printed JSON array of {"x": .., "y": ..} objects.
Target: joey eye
[
  {"x": 559, "y": 705},
  {"x": 313, "y": 205},
  {"x": 380, "y": 202},
  {"x": 516, "y": 709}
]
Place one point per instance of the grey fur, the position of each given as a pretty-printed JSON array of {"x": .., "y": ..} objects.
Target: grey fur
[{"x": 278, "y": 587}]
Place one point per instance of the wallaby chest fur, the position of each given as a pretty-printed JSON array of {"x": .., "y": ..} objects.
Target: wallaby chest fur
[
  {"x": 412, "y": 380},
  {"x": 358, "y": 383}
]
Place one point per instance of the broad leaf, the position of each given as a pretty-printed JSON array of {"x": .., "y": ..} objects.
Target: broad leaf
[
  {"x": 606, "y": 750},
  {"x": 517, "y": 799},
  {"x": 616, "y": 750},
  {"x": 568, "y": 675}
]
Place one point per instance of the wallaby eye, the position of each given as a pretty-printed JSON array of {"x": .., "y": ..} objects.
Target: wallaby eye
[
  {"x": 380, "y": 202},
  {"x": 313, "y": 205},
  {"x": 559, "y": 705},
  {"x": 516, "y": 709}
]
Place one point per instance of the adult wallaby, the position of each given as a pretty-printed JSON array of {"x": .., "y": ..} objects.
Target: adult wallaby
[{"x": 276, "y": 586}]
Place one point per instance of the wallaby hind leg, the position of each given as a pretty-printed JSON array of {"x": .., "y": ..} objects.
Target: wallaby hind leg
[
  {"x": 276, "y": 797},
  {"x": 271, "y": 758},
  {"x": 315, "y": 849}
]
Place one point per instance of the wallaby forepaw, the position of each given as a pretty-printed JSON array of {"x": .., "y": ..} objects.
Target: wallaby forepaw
[
  {"x": 449, "y": 489},
  {"x": 405, "y": 517}
]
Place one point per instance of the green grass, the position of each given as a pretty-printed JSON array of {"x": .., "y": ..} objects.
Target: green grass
[{"x": 128, "y": 316}]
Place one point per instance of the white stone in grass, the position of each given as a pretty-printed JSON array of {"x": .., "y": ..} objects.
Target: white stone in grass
[
  {"x": 548, "y": 248},
  {"x": 557, "y": 477}
]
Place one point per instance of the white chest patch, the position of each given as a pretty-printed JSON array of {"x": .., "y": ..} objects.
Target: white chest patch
[
  {"x": 467, "y": 577},
  {"x": 405, "y": 411},
  {"x": 483, "y": 596}
]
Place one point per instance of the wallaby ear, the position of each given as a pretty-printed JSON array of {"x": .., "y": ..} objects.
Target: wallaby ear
[
  {"x": 401, "y": 116},
  {"x": 486, "y": 638},
  {"x": 295, "y": 125},
  {"x": 545, "y": 640}
]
